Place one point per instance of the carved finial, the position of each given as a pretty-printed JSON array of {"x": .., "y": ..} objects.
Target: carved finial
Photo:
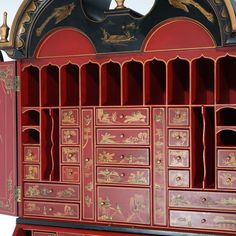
[
  {"x": 120, "y": 4},
  {"x": 4, "y": 29}
]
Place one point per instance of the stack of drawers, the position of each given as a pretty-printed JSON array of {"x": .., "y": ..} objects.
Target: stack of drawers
[
  {"x": 123, "y": 165},
  {"x": 61, "y": 199},
  {"x": 178, "y": 147}
]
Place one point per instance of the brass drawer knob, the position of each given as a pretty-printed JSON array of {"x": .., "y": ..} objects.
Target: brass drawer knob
[
  {"x": 122, "y": 116},
  {"x": 178, "y": 137},
  {"x": 178, "y": 158},
  {"x": 159, "y": 161},
  {"x": 87, "y": 160},
  {"x": 204, "y": 200},
  {"x": 122, "y": 174},
  {"x": 178, "y": 178},
  {"x": 203, "y": 221},
  {"x": 70, "y": 155},
  {"x": 122, "y": 136},
  {"x": 50, "y": 209},
  {"x": 122, "y": 157}
]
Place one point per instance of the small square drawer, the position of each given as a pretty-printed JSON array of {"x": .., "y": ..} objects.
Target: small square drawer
[
  {"x": 123, "y": 136},
  {"x": 178, "y": 138},
  {"x": 203, "y": 220},
  {"x": 69, "y": 117},
  {"x": 51, "y": 210},
  {"x": 51, "y": 191},
  {"x": 70, "y": 136},
  {"x": 121, "y": 116},
  {"x": 179, "y": 178},
  {"x": 127, "y": 205},
  {"x": 133, "y": 176},
  {"x": 31, "y": 154},
  {"x": 70, "y": 173},
  {"x": 71, "y": 155},
  {"x": 178, "y": 158},
  {"x": 227, "y": 179},
  {"x": 31, "y": 172},
  {"x": 123, "y": 156},
  {"x": 227, "y": 158},
  {"x": 44, "y": 234},
  {"x": 178, "y": 116}
]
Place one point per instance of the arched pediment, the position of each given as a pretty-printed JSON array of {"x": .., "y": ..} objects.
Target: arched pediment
[{"x": 114, "y": 30}]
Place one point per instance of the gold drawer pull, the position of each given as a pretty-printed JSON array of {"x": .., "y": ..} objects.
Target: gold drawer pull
[
  {"x": 69, "y": 136},
  {"x": 204, "y": 200},
  {"x": 203, "y": 221},
  {"x": 122, "y": 136},
  {"x": 178, "y": 158},
  {"x": 229, "y": 180},
  {"x": 122, "y": 157},
  {"x": 70, "y": 155},
  {"x": 50, "y": 209},
  {"x": 159, "y": 161},
  {"x": 178, "y": 178},
  {"x": 122, "y": 116},
  {"x": 178, "y": 137},
  {"x": 122, "y": 174},
  {"x": 87, "y": 160}
]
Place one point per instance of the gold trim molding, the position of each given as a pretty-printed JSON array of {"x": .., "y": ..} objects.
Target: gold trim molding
[{"x": 231, "y": 12}]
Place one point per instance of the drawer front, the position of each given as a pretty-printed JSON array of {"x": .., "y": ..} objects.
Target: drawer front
[
  {"x": 31, "y": 154},
  {"x": 203, "y": 220},
  {"x": 178, "y": 138},
  {"x": 69, "y": 117},
  {"x": 70, "y": 173},
  {"x": 71, "y": 155},
  {"x": 178, "y": 178},
  {"x": 204, "y": 200},
  {"x": 46, "y": 191},
  {"x": 178, "y": 158},
  {"x": 227, "y": 158},
  {"x": 134, "y": 176},
  {"x": 44, "y": 234},
  {"x": 227, "y": 179},
  {"x": 31, "y": 172},
  {"x": 120, "y": 116},
  {"x": 54, "y": 210},
  {"x": 178, "y": 116},
  {"x": 70, "y": 136},
  {"x": 127, "y": 205},
  {"x": 124, "y": 156},
  {"x": 123, "y": 136}
]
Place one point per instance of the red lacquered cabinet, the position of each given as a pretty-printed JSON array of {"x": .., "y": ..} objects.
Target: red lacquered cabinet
[{"x": 115, "y": 123}]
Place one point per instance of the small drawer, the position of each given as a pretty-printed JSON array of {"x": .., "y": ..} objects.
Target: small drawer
[
  {"x": 133, "y": 176},
  {"x": 69, "y": 117},
  {"x": 49, "y": 191},
  {"x": 124, "y": 156},
  {"x": 202, "y": 200},
  {"x": 70, "y": 136},
  {"x": 31, "y": 172},
  {"x": 179, "y": 178},
  {"x": 227, "y": 158},
  {"x": 44, "y": 234},
  {"x": 178, "y": 158},
  {"x": 178, "y": 116},
  {"x": 227, "y": 179},
  {"x": 178, "y": 138},
  {"x": 70, "y": 173},
  {"x": 121, "y": 116},
  {"x": 71, "y": 155},
  {"x": 203, "y": 220},
  {"x": 54, "y": 210},
  {"x": 126, "y": 205},
  {"x": 123, "y": 136},
  {"x": 31, "y": 154}
]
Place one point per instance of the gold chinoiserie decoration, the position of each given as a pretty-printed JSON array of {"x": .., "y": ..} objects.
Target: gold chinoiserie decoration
[
  {"x": 120, "y": 4},
  {"x": 4, "y": 29}
]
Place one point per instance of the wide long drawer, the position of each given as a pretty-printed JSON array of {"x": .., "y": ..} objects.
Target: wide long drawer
[
  {"x": 205, "y": 200},
  {"x": 49, "y": 191},
  {"x": 122, "y": 116},
  {"x": 203, "y": 220},
  {"x": 123, "y": 136},
  {"x": 51, "y": 210}
]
